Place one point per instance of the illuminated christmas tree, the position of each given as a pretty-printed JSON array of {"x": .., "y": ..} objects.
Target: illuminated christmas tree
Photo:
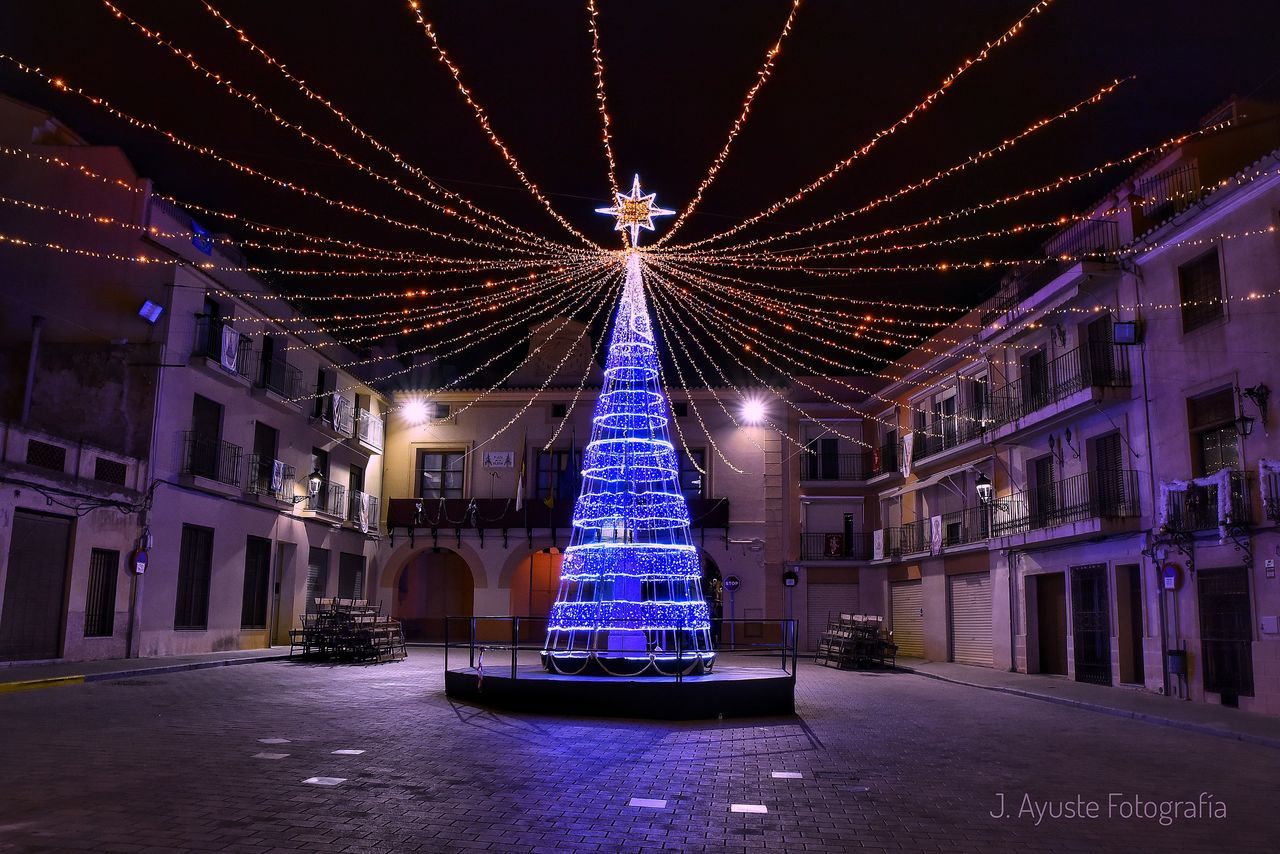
[{"x": 630, "y": 598}]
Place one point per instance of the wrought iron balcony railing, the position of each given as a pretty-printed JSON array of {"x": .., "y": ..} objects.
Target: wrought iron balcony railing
[
  {"x": 818, "y": 466},
  {"x": 330, "y": 499},
  {"x": 210, "y": 458},
  {"x": 1090, "y": 366},
  {"x": 1197, "y": 508},
  {"x": 363, "y": 510},
  {"x": 1091, "y": 495},
  {"x": 970, "y": 525},
  {"x": 209, "y": 331},
  {"x": 835, "y": 545},
  {"x": 269, "y": 476},
  {"x": 280, "y": 377},
  {"x": 949, "y": 431},
  {"x": 369, "y": 429}
]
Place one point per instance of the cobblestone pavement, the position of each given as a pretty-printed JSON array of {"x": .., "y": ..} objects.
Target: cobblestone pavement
[{"x": 888, "y": 762}]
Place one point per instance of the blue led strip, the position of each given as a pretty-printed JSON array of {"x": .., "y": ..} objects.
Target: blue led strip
[{"x": 630, "y": 598}]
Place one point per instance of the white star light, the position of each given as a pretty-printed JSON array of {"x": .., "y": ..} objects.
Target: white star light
[{"x": 634, "y": 211}]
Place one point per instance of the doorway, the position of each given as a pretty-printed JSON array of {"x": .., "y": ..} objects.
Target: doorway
[
  {"x": 35, "y": 590},
  {"x": 1051, "y": 622},
  {"x": 1129, "y": 629},
  {"x": 1091, "y": 623},
  {"x": 534, "y": 586},
  {"x": 1225, "y": 633},
  {"x": 435, "y": 584}
]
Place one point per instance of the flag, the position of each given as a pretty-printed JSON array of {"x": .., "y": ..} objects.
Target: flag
[{"x": 524, "y": 455}]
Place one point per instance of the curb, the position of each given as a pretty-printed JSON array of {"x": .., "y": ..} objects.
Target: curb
[
  {"x": 58, "y": 681},
  {"x": 1157, "y": 720}
]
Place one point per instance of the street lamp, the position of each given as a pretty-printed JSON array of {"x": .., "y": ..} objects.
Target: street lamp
[
  {"x": 1259, "y": 394},
  {"x": 986, "y": 489},
  {"x": 753, "y": 411},
  {"x": 314, "y": 480}
]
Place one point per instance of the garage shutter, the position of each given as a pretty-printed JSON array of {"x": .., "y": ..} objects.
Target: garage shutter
[
  {"x": 908, "y": 618},
  {"x": 827, "y": 601},
  {"x": 969, "y": 597}
]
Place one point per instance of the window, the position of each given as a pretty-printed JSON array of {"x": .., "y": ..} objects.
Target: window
[
  {"x": 350, "y": 576},
  {"x": 257, "y": 578},
  {"x": 317, "y": 576},
  {"x": 692, "y": 482},
  {"x": 558, "y": 474},
  {"x": 46, "y": 456},
  {"x": 439, "y": 474},
  {"x": 1200, "y": 288},
  {"x": 559, "y": 410},
  {"x": 1214, "y": 441},
  {"x": 110, "y": 471},
  {"x": 979, "y": 397},
  {"x": 355, "y": 479},
  {"x": 680, "y": 408},
  {"x": 440, "y": 411},
  {"x": 100, "y": 598},
  {"x": 195, "y": 564}
]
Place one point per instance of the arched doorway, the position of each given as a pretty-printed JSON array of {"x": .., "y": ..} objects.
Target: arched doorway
[
  {"x": 534, "y": 585},
  {"x": 435, "y": 583}
]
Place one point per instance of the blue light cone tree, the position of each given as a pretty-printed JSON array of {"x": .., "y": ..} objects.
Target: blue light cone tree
[{"x": 630, "y": 598}]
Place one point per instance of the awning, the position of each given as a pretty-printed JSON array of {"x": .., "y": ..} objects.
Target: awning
[{"x": 931, "y": 480}]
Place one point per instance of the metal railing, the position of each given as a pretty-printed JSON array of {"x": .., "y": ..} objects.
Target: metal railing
[
  {"x": 1170, "y": 192},
  {"x": 330, "y": 499},
  {"x": 278, "y": 376},
  {"x": 1196, "y": 508},
  {"x": 211, "y": 458},
  {"x": 950, "y": 431},
  {"x": 915, "y": 536},
  {"x": 970, "y": 525},
  {"x": 855, "y": 466},
  {"x": 1091, "y": 495},
  {"x": 835, "y": 545},
  {"x": 262, "y": 478},
  {"x": 209, "y": 345},
  {"x": 516, "y": 644},
  {"x": 885, "y": 458},
  {"x": 369, "y": 429},
  {"x": 363, "y": 501},
  {"x": 1094, "y": 365},
  {"x": 893, "y": 542},
  {"x": 338, "y": 415},
  {"x": 1086, "y": 237}
]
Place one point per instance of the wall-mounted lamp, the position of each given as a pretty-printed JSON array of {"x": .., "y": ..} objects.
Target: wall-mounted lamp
[
  {"x": 314, "y": 481},
  {"x": 987, "y": 493},
  {"x": 1259, "y": 394},
  {"x": 1055, "y": 450}
]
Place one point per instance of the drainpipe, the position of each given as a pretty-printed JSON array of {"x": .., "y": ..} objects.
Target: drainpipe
[{"x": 37, "y": 324}]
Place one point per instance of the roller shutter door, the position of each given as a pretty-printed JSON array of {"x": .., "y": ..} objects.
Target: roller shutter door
[
  {"x": 908, "y": 618},
  {"x": 827, "y": 601},
  {"x": 969, "y": 599}
]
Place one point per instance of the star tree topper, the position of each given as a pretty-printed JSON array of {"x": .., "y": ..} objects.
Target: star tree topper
[{"x": 634, "y": 211}]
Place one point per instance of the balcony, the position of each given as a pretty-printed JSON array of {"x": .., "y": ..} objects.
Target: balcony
[
  {"x": 1076, "y": 377},
  {"x": 501, "y": 513},
  {"x": 885, "y": 459},
  {"x": 1088, "y": 497},
  {"x": 818, "y": 466},
  {"x": 335, "y": 416},
  {"x": 835, "y": 545},
  {"x": 962, "y": 527},
  {"x": 1086, "y": 237},
  {"x": 363, "y": 511},
  {"x": 1197, "y": 508},
  {"x": 270, "y": 478},
  {"x": 369, "y": 430},
  {"x": 210, "y": 458},
  {"x": 208, "y": 350},
  {"x": 279, "y": 382},
  {"x": 951, "y": 431},
  {"x": 329, "y": 500},
  {"x": 1170, "y": 192}
]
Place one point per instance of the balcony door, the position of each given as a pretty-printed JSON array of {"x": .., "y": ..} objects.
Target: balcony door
[
  {"x": 1042, "y": 497},
  {"x": 266, "y": 440},
  {"x": 1226, "y": 633},
  {"x": 1091, "y": 623},
  {"x": 1099, "y": 356},
  {"x": 1035, "y": 381},
  {"x": 206, "y": 436},
  {"x": 1108, "y": 476}
]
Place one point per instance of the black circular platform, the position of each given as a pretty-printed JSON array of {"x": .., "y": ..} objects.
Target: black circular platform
[{"x": 738, "y": 690}]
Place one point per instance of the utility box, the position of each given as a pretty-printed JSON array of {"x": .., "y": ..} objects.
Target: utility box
[
  {"x": 1176, "y": 662},
  {"x": 1271, "y": 625}
]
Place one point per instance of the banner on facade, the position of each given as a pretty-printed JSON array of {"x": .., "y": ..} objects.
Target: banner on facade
[
  {"x": 908, "y": 444},
  {"x": 362, "y": 513},
  {"x": 499, "y": 459},
  {"x": 935, "y": 533},
  {"x": 277, "y": 477},
  {"x": 833, "y": 545},
  {"x": 230, "y": 348},
  {"x": 877, "y": 544}
]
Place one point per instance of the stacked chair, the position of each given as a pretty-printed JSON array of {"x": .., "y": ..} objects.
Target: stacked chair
[
  {"x": 348, "y": 630},
  {"x": 855, "y": 640}
]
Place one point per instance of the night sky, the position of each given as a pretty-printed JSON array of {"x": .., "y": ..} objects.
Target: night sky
[{"x": 676, "y": 72}]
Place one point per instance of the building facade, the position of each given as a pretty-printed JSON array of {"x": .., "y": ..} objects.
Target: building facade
[{"x": 161, "y": 424}]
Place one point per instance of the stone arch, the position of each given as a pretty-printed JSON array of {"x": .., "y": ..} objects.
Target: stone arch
[{"x": 424, "y": 584}]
